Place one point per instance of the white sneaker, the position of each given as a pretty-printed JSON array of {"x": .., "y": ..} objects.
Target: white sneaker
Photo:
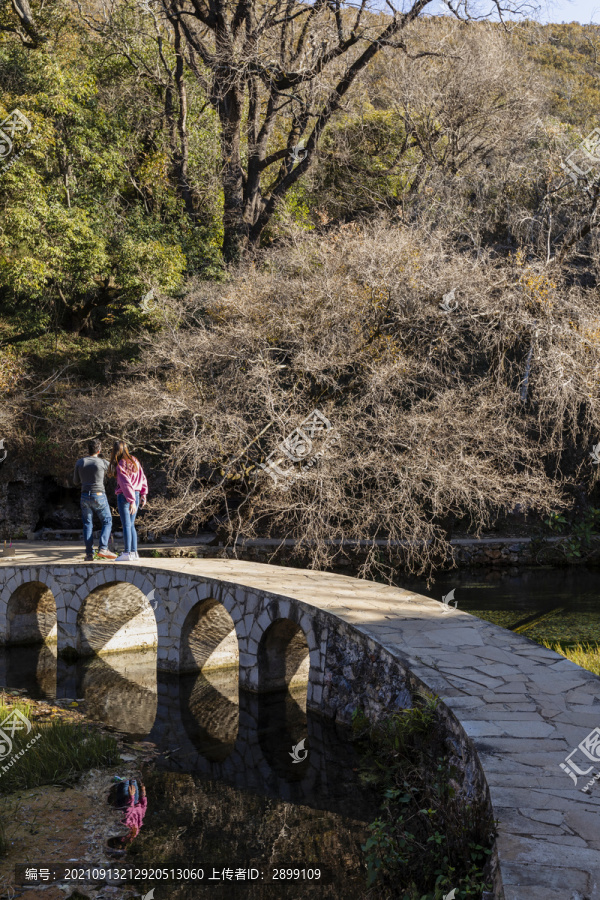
[
  {"x": 134, "y": 555},
  {"x": 124, "y": 557}
]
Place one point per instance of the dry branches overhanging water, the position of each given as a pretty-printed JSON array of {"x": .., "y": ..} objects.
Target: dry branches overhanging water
[{"x": 427, "y": 402}]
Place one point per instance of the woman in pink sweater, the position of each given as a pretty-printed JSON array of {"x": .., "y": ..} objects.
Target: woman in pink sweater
[
  {"x": 132, "y": 490},
  {"x": 129, "y": 796}
]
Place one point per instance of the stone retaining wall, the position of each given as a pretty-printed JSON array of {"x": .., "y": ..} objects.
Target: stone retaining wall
[{"x": 469, "y": 553}]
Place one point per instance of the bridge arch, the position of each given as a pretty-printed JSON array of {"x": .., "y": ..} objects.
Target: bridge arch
[
  {"x": 283, "y": 646},
  {"x": 31, "y": 614},
  {"x": 113, "y": 617},
  {"x": 18, "y": 579},
  {"x": 208, "y": 638},
  {"x": 283, "y": 657}
]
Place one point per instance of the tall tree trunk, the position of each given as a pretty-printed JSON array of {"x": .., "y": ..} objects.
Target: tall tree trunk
[
  {"x": 183, "y": 156},
  {"x": 234, "y": 228}
]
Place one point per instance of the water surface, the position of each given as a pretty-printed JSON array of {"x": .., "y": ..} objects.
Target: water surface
[
  {"x": 569, "y": 600},
  {"x": 229, "y": 790}
]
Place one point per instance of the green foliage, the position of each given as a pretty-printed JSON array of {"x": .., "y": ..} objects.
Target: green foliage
[
  {"x": 581, "y": 529},
  {"x": 426, "y": 840},
  {"x": 362, "y": 166},
  {"x": 90, "y": 217}
]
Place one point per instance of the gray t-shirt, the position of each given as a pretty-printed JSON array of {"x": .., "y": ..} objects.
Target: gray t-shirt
[{"x": 89, "y": 473}]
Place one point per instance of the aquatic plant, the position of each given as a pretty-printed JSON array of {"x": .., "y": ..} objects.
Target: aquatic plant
[{"x": 578, "y": 542}]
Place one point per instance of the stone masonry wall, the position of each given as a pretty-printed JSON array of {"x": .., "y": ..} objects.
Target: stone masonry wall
[
  {"x": 361, "y": 674},
  {"x": 469, "y": 553}
]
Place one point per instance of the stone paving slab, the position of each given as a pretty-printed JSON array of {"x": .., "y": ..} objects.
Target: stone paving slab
[{"x": 549, "y": 830}]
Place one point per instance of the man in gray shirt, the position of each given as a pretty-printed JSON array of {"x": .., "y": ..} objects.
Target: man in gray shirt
[{"x": 89, "y": 473}]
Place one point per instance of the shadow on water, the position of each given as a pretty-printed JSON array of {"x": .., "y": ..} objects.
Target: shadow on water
[
  {"x": 282, "y": 733},
  {"x": 245, "y": 780},
  {"x": 33, "y": 668}
]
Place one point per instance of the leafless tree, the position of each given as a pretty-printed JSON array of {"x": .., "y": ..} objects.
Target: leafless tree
[
  {"x": 276, "y": 73},
  {"x": 479, "y": 100},
  {"x": 428, "y": 402},
  {"x": 470, "y": 100}
]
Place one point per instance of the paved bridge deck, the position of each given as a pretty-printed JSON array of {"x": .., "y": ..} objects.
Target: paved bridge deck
[{"x": 525, "y": 708}]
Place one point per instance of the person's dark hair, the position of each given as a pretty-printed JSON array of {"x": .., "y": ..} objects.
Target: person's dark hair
[
  {"x": 94, "y": 446},
  {"x": 118, "y": 796},
  {"x": 120, "y": 452}
]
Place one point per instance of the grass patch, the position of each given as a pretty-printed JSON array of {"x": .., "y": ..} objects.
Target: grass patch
[
  {"x": 52, "y": 753},
  {"x": 585, "y": 655},
  {"x": 427, "y": 839}
]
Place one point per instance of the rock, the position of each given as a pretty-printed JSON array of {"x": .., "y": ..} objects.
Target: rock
[{"x": 493, "y": 554}]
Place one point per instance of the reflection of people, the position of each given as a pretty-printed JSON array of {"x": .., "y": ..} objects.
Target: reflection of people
[
  {"x": 130, "y": 797},
  {"x": 132, "y": 489}
]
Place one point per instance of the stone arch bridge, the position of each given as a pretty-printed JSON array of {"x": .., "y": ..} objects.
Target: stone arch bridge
[{"x": 513, "y": 710}]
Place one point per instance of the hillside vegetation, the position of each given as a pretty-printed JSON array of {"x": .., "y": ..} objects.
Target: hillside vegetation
[{"x": 133, "y": 303}]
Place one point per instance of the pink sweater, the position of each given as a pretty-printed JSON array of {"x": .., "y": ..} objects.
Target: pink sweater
[
  {"x": 128, "y": 481},
  {"x": 134, "y": 816}
]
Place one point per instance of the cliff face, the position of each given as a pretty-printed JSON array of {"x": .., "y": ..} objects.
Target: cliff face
[
  {"x": 31, "y": 498},
  {"x": 21, "y": 495}
]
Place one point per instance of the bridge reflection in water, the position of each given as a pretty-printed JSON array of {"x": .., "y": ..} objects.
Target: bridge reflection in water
[{"x": 206, "y": 723}]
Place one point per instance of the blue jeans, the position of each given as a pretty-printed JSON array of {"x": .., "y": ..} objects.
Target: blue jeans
[
  {"x": 123, "y": 790},
  {"x": 95, "y": 503},
  {"x": 128, "y": 520},
  {"x": 127, "y": 783}
]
